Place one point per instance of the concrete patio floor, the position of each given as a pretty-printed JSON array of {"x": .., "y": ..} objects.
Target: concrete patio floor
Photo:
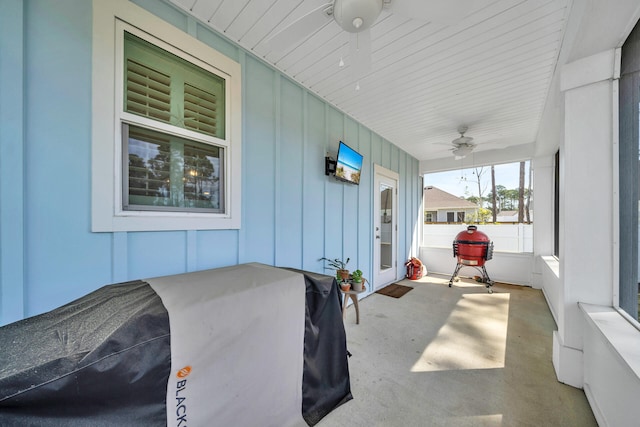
[{"x": 459, "y": 356}]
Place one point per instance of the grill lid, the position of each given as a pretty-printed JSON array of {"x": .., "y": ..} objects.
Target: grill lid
[{"x": 472, "y": 236}]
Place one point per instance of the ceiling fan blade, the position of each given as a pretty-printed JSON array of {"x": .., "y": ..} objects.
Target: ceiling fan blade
[
  {"x": 436, "y": 11},
  {"x": 300, "y": 29},
  {"x": 463, "y": 140},
  {"x": 360, "y": 53}
]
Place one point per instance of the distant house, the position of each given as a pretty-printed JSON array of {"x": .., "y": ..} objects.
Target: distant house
[
  {"x": 440, "y": 206},
  {"x": 510, "y": 216},
  {"x": 507, "y": 216}
]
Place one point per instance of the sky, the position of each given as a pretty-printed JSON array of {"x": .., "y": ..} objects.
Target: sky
[
  {"x": 464, "y": 183},
  {"x": 349, "y": 157}
]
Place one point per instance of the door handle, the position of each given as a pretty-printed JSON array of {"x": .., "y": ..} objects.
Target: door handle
[{"x": 377, "y": 237}]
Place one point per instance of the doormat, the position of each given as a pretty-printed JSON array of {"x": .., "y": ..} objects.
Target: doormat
[{"x": 394, "y": 290}]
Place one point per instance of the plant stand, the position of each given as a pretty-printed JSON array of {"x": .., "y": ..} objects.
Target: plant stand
[{"x": 354, "y": 297}]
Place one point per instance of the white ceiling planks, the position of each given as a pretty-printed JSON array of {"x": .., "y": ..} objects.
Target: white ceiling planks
[{"x": 490, "y": 70}]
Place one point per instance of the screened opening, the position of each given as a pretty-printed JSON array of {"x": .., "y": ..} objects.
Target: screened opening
[{"x": 499, "y": 197}]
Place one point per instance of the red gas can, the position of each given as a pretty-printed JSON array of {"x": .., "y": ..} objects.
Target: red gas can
[{"x": 415, "y": 269}]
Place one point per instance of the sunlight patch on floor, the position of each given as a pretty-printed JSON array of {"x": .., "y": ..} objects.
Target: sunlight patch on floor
[
  {"x": 474, "y": 336},
  {"x": 480, "y": 420}
]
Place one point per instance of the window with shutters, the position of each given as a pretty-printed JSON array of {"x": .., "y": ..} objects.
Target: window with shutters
[
  {"x": 169, "y": 168},
  {"x": 166, "y": 127}
]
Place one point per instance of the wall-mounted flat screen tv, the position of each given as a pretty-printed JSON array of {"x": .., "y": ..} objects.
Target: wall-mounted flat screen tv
[{"x": 349, "y": 164}]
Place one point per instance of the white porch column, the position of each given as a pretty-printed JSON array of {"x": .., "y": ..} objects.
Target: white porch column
[
  {"x": 543, "y": 183},
  {"x": 586, "y": 201}
]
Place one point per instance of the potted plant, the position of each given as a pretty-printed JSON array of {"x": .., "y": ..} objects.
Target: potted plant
[
  {"x": 356, "y": 279},
  {"x": 342, "y": 274}
]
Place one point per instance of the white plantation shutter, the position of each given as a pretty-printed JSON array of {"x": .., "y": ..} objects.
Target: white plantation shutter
[
  {"x": 164, "y": 87},
  {"x": 148, "y": 92},
  {"x": 199, "y": 110}
]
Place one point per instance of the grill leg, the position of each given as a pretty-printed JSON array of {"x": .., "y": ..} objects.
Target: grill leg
[
  {"x": 455, "y": 273},
  {"x": 487, "y": 280}
]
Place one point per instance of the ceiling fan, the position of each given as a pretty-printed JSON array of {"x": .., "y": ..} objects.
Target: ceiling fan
[
  {"x": 357, "y": 16},
  {"x": 463, "y": 145}
]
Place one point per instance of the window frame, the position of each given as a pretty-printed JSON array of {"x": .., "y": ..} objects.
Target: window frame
[
  {"x": 132, "y": 119},
  {"x": 556, "y": 204},
  {"x": 626, "y": 297},
  {"x": 111, "y": 20}
]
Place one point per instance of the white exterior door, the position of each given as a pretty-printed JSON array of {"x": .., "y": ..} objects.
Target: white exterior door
[{"x": 385, "y": 232}]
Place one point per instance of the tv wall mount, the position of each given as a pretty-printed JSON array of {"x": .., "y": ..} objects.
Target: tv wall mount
[{"x": 330, "y": 165}]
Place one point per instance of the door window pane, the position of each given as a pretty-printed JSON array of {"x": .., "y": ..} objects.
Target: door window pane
[{"x": 386, "y": 224}]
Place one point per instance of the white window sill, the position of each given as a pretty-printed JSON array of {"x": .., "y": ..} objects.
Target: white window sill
[
  {"x": 552, "y": 263},
  {"x": 619, "y": 333}
]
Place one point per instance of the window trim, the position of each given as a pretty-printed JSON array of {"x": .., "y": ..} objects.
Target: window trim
[
  {"x": 556, "y": 204},
  {"x": 626, "y": 291},
  {"x": 109, "y": 20}
]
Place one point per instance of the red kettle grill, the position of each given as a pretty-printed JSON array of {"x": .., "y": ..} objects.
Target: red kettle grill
[{"x": 473, "y": 249}]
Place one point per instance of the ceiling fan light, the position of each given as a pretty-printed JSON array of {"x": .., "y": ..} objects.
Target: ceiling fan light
[
  {"x": 356, "y": 15},
  {"x": 462, "y": 151}
]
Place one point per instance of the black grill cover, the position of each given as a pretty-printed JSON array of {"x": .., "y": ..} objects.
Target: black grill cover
[
  {"x": 325, "y": 378},
  {"x": 104, "y": 359}
]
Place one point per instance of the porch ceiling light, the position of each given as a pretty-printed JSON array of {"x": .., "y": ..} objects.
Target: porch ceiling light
[{"x": 462, "y": 151}]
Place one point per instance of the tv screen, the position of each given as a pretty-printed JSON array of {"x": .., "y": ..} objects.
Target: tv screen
[{"x": 349, "y": 164}]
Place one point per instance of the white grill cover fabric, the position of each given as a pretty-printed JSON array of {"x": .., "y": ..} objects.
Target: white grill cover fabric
[{"x": 237, "y": 339}]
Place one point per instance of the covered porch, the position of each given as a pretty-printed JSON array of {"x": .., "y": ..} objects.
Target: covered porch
[
  {"x": 456, "y": 356},
  {"x": 287, "y": 212}
]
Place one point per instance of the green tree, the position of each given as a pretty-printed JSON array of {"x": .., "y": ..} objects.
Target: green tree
[
  {"x": 511, "y": 198},
  {"x": 199, "y": 174},
  {"x": 521, "y": 194},
  {"x": 481, "y": 215},
  {"x": 494, "y": 208},
  {"x": 501, "y": 196},
  {"x": 478, "y": 172},
  {"x": 160, "y": 167},
  {"x": 473, "y": 199},
  {"x": 529, "y": 191},
  {"x": 138, "y": 176}
]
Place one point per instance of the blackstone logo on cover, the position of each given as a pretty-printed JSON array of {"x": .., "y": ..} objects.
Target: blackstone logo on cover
[{"x": 181, "y": 398}]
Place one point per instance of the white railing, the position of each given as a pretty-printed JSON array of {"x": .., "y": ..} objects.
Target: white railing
[{"x": 505, "y": 237}]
